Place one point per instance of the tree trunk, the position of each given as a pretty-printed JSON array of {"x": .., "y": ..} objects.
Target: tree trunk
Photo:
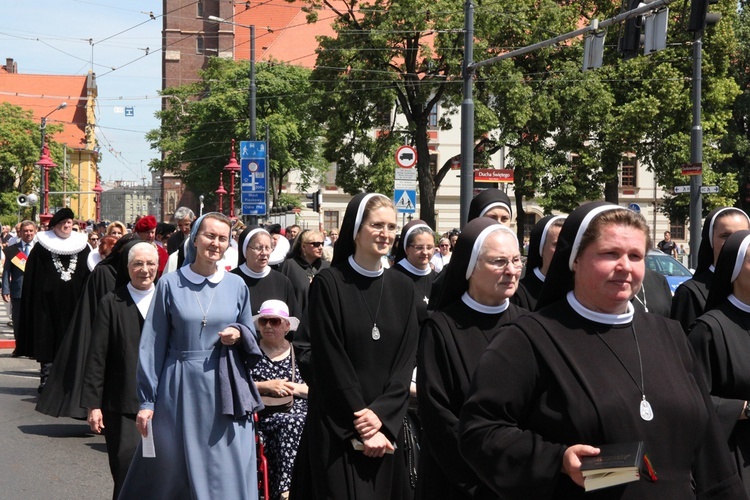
[{"x": 424, "y": 176}]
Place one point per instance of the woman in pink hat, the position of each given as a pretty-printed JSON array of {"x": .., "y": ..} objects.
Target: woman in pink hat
[{"x": 277, "y": 375}]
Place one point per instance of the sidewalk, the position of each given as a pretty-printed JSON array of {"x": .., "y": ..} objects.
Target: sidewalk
[{"x": 6, "y": 332}]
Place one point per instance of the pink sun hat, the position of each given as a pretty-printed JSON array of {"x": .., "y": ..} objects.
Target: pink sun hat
[{"x": 276, "y": 309}]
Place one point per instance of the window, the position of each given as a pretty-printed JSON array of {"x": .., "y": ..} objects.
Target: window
[
  {"x": 199, "y": 9},
  {"x": 433, "y": 164},
  {"x": 331, "y": 174},
  {"x": 628, "y": 171},
  {"x": 199, "y": 45},
  {"x": 677, "y": 230},
  {"x": 432, "y": 119},
  {"x": 330, "y": 220},
  {"x": 529, "y": 221}
]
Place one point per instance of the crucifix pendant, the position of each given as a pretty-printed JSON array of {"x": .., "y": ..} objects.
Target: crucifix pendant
[
  {"x": 203, "y": 323},
  {"x": 375, "y": 332}
]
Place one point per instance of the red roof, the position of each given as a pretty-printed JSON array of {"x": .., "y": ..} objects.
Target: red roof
[{"x": 42, "y": 94}]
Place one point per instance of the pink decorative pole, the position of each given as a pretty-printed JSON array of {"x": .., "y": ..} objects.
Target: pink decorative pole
[
  {"x": 221, "y": 192},
  {"x": 98, "y": 199},
  {"x": 46, "y": 163},
  {"x": 232, "y": 167}
]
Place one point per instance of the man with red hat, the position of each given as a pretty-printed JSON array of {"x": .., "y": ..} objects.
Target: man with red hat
[{"x": 145, "y": 228}]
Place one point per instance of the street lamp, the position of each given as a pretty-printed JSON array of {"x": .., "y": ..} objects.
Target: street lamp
[
  {"x": 201, "y": 198},
  {"x": 253, "y": 88},
  {"x": 45, "y": 165},
  {"x": 232, "y": 167},
  {"x": 221, "y": 192}
]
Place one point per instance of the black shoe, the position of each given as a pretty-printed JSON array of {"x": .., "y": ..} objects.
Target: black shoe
[
  {"x": 40, "y": 388},
  {"x": 14, "y": 354}
]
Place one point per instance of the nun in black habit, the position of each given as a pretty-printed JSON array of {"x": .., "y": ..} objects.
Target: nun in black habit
[
  {"x": 412, "y": 259},
  {"x": 363, "y": 327},
  {"x": 264, "y": 283},
  {"x": 689, "y": 299},
  {"x": 483, "y": 275},
  {"x": 586, "y": 370},
  {"x": 722, "y": 347},
  {"x": 491, "y": 203},
  {"x": 543, "y": 240}
]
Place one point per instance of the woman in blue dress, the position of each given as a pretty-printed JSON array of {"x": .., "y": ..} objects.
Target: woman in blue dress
[{"x": 196, "y": 349}]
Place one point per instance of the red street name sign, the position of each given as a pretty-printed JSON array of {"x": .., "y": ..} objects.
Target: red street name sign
[
  {"x": 493, "y": 175},
  {"x": 692, "y": 169}
]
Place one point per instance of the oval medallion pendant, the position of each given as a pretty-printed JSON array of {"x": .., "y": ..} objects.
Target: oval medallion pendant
[
  {"x": 375, "y": 332},
  {"x": 647, "y": 413}
]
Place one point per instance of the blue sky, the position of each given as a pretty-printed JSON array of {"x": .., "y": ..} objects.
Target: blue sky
[{"x": 53, "y": 37}]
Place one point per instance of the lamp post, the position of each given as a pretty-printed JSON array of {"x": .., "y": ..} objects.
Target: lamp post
[
  {"x": 253, "y": 88},
  {"x": 221, "y": 192},
  {"x": 232, "y": 167},
  {"x": 44, "y": 173},
  {"x": 45, "y": 163},
  {"x": 98, "y": 199}
]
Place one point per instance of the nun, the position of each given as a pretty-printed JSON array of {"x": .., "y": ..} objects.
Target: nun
[
  {"x": 722, "y": 347},
  {"x": 542, "y": 243},
  {"x": 363, "y": 341},
  {"x": 264, "y": 283},
  {"x": 586, "y": 370},
  {"x": 689, "y": 299},
  {"x": 482, "y": 277},
  {"x": 412, "y": 259}
]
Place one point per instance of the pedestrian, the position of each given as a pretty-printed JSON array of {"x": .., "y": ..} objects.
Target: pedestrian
[
  {"x": 668, "y": 246},
  {"x": 16, "y": 256}
]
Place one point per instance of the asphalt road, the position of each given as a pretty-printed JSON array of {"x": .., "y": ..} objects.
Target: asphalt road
[{"x": 43, "y": 457}]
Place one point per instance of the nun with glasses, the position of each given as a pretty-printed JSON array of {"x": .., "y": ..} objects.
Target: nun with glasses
[
  {"x": 483, "y": 275},
  {"x": 689, "y": 299},
  {"x": 196, "y": 397},
  {"x": 722, "y": 347},
  {"x": 542, "y": 244},
  {"x": 264, "y": 283},
  {"x": 363, "y": 339},
  {"x": 412, "y": 259},
  {"x": 586, "y": 370}
]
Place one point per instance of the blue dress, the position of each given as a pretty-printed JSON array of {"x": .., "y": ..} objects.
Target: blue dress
[{"x": 200, "y": 452}]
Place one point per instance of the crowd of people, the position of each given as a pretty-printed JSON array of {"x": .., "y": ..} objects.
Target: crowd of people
[{"x": 378, "y": 362}]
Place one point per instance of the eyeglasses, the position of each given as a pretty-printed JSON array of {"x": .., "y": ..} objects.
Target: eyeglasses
[
  {"x": 260, "y": 249},
  {"x": 75, "y": 229},
  {"x": 444, "y": 245},
  {"x": 269, "y": 321},
  {"x": 501, "y": 264},
  {"x": 379, "y": 227},
  {"x": 316, "y": 244},
  {"x": 93, "y": 239},
  {"x": 212, "y": 237},
  {"x": 423, "y": 248}
]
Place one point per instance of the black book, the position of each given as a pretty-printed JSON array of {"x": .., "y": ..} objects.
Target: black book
[{"x": 615, "y": 464}]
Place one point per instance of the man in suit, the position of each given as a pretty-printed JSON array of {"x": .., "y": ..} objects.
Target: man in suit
[{"x": 15, "y": 265}]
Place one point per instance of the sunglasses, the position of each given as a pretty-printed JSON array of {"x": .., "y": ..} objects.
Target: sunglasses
[
  {"x": 269, "y": 321},
  {"x": 315, "y": 244}
]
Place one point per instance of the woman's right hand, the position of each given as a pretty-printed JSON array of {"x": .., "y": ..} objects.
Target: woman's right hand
[
  {"x": 377, "y": 445},
  {"x": 141, "y": 421},
  {"x": 276, "y": 388},
  {"x": 571, "y": 462}
]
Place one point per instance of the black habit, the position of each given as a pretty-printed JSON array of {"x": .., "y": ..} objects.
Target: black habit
[
  {"x": 274, "y": 286},
  {"x": 547, "y": 382},
  {"x": 300, "y": 273},
  {"x": 109, "y": 377},
  {"x": 451, "y": 342},
  {"x": 352, "y": 371},
  {"x": 422, "y": 289},
  {"x": 689, "y": 299},
  {"x": 655, "y": 296},
  {"x": 721, "y": 344},
  {"x": 529, "y": 289}
]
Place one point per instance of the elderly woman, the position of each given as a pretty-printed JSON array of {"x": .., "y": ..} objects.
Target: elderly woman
[
  {"x": 689, "y": 299},
  {"x": 303, "y": 262},
  {"x": 196, "y": 348},
  {"x": 586, "y": 370},
  {"x": 264, "y": 283},
  {"x": 722, "y": 346},
  {"x": 443, "y": 254},
  {"x": 363, "y": 327},
  {"x": 277, "y": 376},
  {"x": 483, "y": 275},
  {"x": 412, "y": 259},
  {"x": 109, "y": 390}
]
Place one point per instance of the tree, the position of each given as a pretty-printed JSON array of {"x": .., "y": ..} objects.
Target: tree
[{"x": 203, "y": 117}]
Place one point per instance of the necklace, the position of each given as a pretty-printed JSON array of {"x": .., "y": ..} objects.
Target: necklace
[
  {"x": 204, "y": 322},
  {"x": 647, "y": 413},
  {"x": 65, "y": 274},
  {"x": 643, "y": 302},
  {"x": 375, "y": 331}
]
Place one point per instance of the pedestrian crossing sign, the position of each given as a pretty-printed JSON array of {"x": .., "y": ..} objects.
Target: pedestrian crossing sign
[{"x": 405, "y": 200}]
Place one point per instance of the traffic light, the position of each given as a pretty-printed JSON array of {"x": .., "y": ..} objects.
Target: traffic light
[
  {"x": 699, "y": 15},
  {"x": 630, "y": 41},
  {"x": 317, "y": 199}
]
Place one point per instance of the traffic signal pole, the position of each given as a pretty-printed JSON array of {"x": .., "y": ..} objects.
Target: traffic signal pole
[{"x": 696, "y": 152}]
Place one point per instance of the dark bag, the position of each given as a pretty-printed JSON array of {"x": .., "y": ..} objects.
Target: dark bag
[{"x": 278, "y": 404}]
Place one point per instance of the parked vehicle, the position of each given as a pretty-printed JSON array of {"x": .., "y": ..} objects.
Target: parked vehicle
[{"x": 667, "y": 266}]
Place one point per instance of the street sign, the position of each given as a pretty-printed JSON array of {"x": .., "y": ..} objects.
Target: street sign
[
  {"x": 129, "y": 111},
  {"x": 253, "y": 175},
  {"x": 406, "y": 200},
  {"x": 406, "y": 157},
  {"x": 635, "y": 207},
  {"x": 253, "y": 180},
  {"x": 692, "y": 169},
  {"x": 254, "y": 203},
  {"x": 681, "y": 189},
  {"x": 709, "y": 189},
  {"x": 253, "y": 149},
  {"x": 405, "y": 185},
  {"x": 406, "y": 174},
  {"x": 493, "y": 175}
]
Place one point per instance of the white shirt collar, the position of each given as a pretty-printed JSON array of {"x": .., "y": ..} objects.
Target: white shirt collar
[
  {"x": 142, "y": 298},
  {"x": 62, "y": 246},
  {"x": 249, "y": 272},
  {"x": 603, "y": 318},
  {"x": 412, "y": 269},
  {"x": 466, "y": 298},
  {"x": 364, "y": 272},
  {"x": 538, "y": 274},
  {"x": 198, "y": 279}
]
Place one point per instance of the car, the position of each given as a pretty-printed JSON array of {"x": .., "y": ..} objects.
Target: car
[{"x": 668, "y": 267}]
